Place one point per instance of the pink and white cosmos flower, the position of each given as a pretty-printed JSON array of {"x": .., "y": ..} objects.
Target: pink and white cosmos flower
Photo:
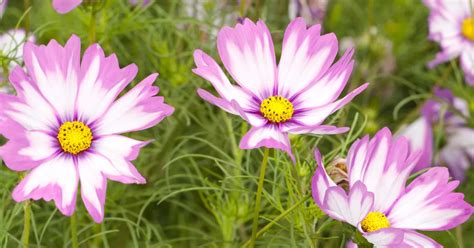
[
  {"x": 451, "y": 24},
  {"x": 378, "y": 203},
  {"x": 294, "y": 97},
  {"x": 65, "y": 124}
]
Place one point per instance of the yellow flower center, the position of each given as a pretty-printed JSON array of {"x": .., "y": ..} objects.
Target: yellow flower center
[
  {"x": 468, "y": 28},
  {"x": 276, "y": 109},
  {"x": 74, "y": 137},
  {"x": 374, "y": 221}
]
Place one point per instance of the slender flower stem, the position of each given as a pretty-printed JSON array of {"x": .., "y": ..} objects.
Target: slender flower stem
[
  {"x": 74, "y": 240},
  {"x": 279, "y": 217},
  {"x": 25, "y": 238},
  {"x": 242, "y": 7},
  {"x": 92, "y": 26},
  {"x": 26, "y": 4},
  {"x": 459, "y": 236},
  {"x": 256, "y": 213}
]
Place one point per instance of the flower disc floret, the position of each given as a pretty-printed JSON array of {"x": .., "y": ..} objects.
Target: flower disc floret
[
  {"x": 468, "y": 28},
  {"x": 276, "y": 109},
  {"x": 74, "y": 137},
  {"x": 374, "y": 221}
]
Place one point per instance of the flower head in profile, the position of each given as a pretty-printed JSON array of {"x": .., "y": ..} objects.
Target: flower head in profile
[
  {"x": 458, "y": 152},
  {"x": 451, "y": 24},
  {"x": 378, "y": 202},
  {"x": 294, "y": 97},
  {"x": 64, "y": 125}
]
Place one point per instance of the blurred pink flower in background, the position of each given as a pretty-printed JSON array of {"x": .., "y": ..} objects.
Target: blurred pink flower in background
[
  {"x": 458, "y": 152},
  {"x": 451, "y": 24},
  {"x": 11, "y": 50},
  {"x": 313, "y": 11}
]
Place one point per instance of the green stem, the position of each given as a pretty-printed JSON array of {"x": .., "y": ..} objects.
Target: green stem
[
  {"x": 459, "y": 236},
  {"x": 25, "y": 238},
  {"x": 74, "y": 238},
  {"x": 279, "y": 217},
  {"x": 242, "y": 6},
  {"x": 256, "y": 213},
  {"x": 6, "y": 71},
  {"x": 92, "y": 26},
  {"x": 26, "y": 4}
]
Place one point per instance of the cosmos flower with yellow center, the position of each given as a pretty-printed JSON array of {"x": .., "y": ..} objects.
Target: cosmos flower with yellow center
[
  {"x": 293, "y": 97},
  {"x": 379, "y": 203},
  {"x": 64, "y": 125}
]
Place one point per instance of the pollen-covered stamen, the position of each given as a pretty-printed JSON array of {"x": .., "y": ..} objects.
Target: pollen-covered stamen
[
  {"x": 374, "y": 221},
  {"x": 74, "y": 137},
  {"x": 468, "y": 28},
  {"x": 276, "y": 109}
]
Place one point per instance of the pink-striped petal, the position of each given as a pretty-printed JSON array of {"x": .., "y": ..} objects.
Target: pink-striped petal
[
  {"x": 305, "y": 57},
  {"x": 93, "y": 185},
  {"x": 383, "y": 165},
  {"x": 414, "y": 239},
  {"x": 217, "y": 101},
  {"x": 350, "y": 208},
  {"x": 30, "y": 109},
  {"x": 55, "y": 71},
  {"x": 327, "y": 88},
  {"x": 25, "y": 149},
  {"x": 208, "y": 69},
  {"x": 248, "y": 55},
  {"x": 320, "y": 182},
  {"x": 386, "y": 237},
  {"x": 268, "y": 136},
  {"x": 429, "y": 203},
  {"x": 55, "y": 179},
  {"x": 100, "y": 82},
  {"x": 138, "y": 109},
  {"x": 315, "y": 116},
  {"x": 119, "y": 151}
]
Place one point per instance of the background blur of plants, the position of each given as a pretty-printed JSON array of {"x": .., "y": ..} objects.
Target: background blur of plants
[{"x": 201, "y": 187}]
